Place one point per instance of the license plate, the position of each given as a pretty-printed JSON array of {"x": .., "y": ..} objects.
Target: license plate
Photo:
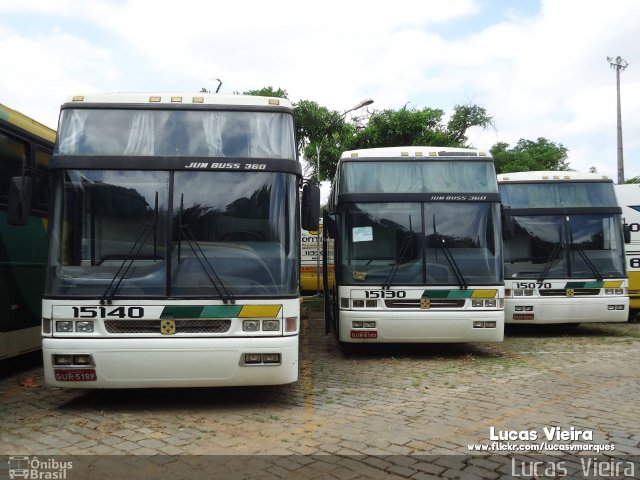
[
  {"x": 363, "y": 334},
  {"x": 75, "y": 375},
  {"x": 523, "y": 316}
]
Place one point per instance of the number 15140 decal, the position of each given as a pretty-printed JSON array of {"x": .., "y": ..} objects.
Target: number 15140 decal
[{"x": 107, "y": 312}]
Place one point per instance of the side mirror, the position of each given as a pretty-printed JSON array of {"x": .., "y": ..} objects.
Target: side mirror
[
  {"x": 310, "y": 208},
  {"x": 626, "y": 233},
  {"x": 329, "y": 224},
  {"x": 19, "y": 204},
  {"x": 507, "y": 222}
]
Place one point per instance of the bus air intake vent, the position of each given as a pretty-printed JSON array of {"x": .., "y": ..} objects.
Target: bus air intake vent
[
  {"x": 435, "y": 303},
  {"x": 577, "y": 292},
  {"x": 182, "y": 326}
]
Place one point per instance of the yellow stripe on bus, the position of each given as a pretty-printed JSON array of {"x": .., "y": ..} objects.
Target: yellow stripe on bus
[
  {"x": 250, "y": 311},
  {"x": 484, "y": 294}
]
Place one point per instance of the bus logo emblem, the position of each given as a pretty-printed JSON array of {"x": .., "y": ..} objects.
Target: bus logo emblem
[
  {"x": 570, "y": 292},
  {"x": 425, "y": 303},
  {"x": 167, "y": 327}
]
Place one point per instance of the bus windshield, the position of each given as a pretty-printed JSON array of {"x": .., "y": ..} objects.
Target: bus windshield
[
  {"x": 183, "y": 133},
  {"x": 440, "y": 176},
  {"x": 171, "y": 229},
  {"x": 431, "y": 243},
  {"x": 563, "y": 246},
  {"x": 558, "y": 194}
]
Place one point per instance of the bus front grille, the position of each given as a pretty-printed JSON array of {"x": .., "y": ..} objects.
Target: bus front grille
[
  {"x": 561, "y": 292},
  {"x": 182, "y": 326},
  {"x": 435, "y": 303}
]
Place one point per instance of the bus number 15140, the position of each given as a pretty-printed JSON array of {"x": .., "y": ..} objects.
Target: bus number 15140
[{"x": 104, "y": 312}]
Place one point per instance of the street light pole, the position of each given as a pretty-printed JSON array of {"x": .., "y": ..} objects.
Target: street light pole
[
  {"x": 618, "y": 64},
  {"x": 363, "y": 103}
]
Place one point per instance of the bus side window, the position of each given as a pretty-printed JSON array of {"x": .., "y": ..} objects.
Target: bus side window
[{"x": 13, "y": 155}]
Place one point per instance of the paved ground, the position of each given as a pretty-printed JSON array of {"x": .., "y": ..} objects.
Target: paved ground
[{"x": 383, "y": 405}]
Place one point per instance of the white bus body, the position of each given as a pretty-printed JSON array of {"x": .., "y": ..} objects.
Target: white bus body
[
  {"x": 175, "y": 243},
  {"x": 563, "y": 249},
  {"x": 628, "y": 196},
  {"x": 418, "y": 255}
]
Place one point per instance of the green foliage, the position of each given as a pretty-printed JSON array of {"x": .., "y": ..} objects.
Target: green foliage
[
  {"x": 323, "y": 131},
  {"x": 268, "y": 92},
  {"x": 529, "y": 156},
  {"x": 635, "y": 179},
  {"x": 394, "y": 128}
]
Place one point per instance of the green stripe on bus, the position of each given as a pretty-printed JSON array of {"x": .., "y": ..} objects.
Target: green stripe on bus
[
  {"x": 584, "y": 284},
  {"x": 181, "y": 311},
  {"x": 447, "y": 294},
  {"x": 221, "y": 311}
]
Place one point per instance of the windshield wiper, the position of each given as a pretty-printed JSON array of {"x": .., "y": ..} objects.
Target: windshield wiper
[
  {"x": 449, "y": 256},
  {"x": 403, "y": 250},
  {"x": 583, "y": 255},
  {"x": 549, "y": 261},
  {"x": 131, "y": 257},
  {"x": 187, "y": 234},
  {"x": 134, "y": 253},
  {"x": 586, "y": 259}
]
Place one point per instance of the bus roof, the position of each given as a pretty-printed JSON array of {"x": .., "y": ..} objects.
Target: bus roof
[
  {"x": 177, "y": 98},
  {"x": 551, "y": 176},
  {"x": 27, "y": 124},
  {"x": 414, "y": 151}
]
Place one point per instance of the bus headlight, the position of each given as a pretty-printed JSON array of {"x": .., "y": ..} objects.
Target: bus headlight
[
  {"x": 251, "y": 325},
  {"x": 490, "y": 303},
  {"x": 271, "y": 325},
  {"x": 476, "y": 303},
  {"x": 64, "y": 326},
  {"x": 84, "y": 326}
]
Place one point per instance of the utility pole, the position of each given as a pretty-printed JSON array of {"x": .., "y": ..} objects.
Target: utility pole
[
  {"x": 618, "y": 64},
  {"x": 360, "y": 105}
]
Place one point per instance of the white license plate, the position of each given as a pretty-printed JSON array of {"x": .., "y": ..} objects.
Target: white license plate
[
  {"x": 75, "y": 375},
  {"x": 364, "y": 334}
]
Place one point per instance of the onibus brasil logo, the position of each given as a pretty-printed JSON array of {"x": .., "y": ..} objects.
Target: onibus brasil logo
[{"x": 37, "y": 469}]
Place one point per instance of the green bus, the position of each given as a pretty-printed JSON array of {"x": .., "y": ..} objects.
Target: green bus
[{"x": 25, "y": 149}]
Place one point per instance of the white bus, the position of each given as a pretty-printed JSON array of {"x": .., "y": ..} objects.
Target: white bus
[
  {"x": 628, "y": 196},
  {"x": 418, "y": 253},
  {"x": 174, "y": 254},
  {"x": 563, "y": 248}
]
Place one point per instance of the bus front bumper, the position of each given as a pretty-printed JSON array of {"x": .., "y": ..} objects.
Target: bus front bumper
[
  {"x": 175, "y": 362},
  {"x": 567, "y": 310},
  {"x": 421, "y": 327}
]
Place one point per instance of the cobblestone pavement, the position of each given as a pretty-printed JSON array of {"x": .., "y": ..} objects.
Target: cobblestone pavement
[{"x": 385, "y": 404}]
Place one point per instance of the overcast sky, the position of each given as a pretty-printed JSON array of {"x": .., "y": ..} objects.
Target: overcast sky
[{"x": 538, "y": 67}]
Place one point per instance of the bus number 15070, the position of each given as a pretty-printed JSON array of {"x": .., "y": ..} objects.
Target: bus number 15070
[{"x": 533, "y": 285}]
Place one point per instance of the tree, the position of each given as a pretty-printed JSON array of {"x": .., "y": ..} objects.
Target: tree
[
  {"x": 268, "y": 92},
  {"x": 529, "y": 155},
  {"x": 404, "y": 127}
]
